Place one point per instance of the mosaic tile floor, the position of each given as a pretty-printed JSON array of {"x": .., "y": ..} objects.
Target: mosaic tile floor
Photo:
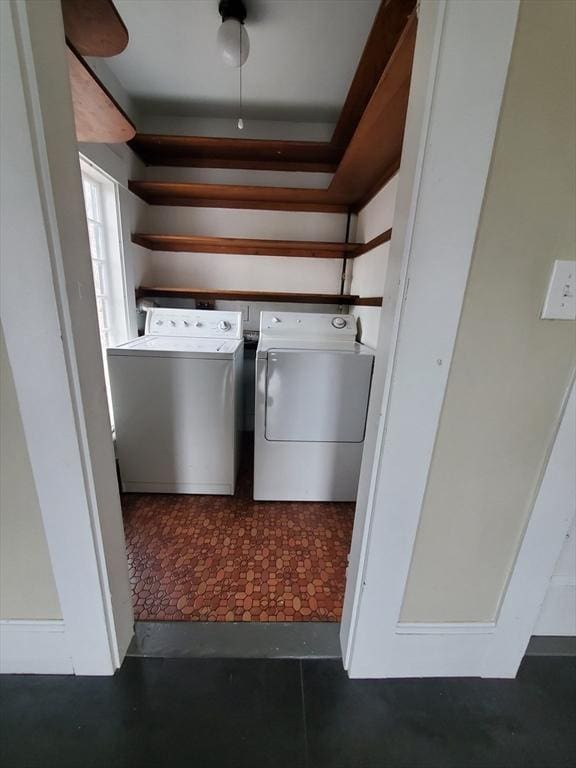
[{"x": 222, "y": 558}]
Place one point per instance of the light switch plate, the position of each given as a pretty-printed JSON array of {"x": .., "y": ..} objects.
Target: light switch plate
[{"x": 560, "y": 303}]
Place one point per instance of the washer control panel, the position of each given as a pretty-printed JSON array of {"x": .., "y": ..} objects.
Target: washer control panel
[
  {"x": 197, "y": 323},
  {"x": 307, "y": 325}
]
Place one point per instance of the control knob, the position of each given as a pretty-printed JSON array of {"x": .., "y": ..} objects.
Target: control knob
[
  {"x": 224, "y": 325},
  {"x": 339, "y": 322}
]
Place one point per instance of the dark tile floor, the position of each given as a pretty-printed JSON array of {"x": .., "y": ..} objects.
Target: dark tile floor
[
  {"x": 232, "y": 559},
  {"x": 268, "y": 713}
]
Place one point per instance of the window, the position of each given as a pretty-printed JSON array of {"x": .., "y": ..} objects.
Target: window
[
  {"x": 100, "y": 199},
  {"x": 97, "y": 235}
]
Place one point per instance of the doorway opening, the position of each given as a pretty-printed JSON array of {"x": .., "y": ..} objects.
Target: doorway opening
[{"x": 195, "y": 555}]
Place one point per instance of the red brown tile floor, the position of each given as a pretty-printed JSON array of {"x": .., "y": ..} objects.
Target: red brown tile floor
[{"x": 224, "y": 558}]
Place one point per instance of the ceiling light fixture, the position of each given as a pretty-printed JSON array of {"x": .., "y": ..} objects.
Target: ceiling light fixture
[{"x": 233, "y": 41}]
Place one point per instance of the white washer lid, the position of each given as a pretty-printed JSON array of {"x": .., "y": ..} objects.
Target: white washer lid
[{"x": 177, "y": 346}]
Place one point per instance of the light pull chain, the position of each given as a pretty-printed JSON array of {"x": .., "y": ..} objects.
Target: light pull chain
[{"x": 240, "y": 120}]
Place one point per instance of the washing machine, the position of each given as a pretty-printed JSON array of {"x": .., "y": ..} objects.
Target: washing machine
[
  {"x": 313, "y": 384},
  {"x": 176, "y": 395}
]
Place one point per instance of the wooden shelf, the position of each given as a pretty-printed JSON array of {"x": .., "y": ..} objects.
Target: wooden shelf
[
  {"x": 292, "y": 298},
  {"x": 210, "y": 295},
  {"x": 361, "y": 248},
  {"x": 368, "y": 301},
  {"x": 242, "y": 246},
  {"x": 309, "y": 249}
]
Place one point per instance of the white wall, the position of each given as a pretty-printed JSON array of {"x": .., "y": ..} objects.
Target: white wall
[
  {"x": 242, "y": 272},
  {"x": 249, "y": 273},
  {"x": 227, "y": 128},
  {"x": 230, "y": 222},
  {"x": 27, "y": 586},
  {"x": 369, "y": 270},
  {"x": 114, "y": 86},
  {"x": 249, "y": 177}
]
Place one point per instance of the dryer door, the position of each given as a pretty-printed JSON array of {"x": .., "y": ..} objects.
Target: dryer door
[{"x": 317, "y": 396}]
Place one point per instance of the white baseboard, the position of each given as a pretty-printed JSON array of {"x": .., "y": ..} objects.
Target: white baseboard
[
  {"x": 446, "y": 628},
  {"x": 558, "y": 613},
  {"x": 34, "y": 647}
]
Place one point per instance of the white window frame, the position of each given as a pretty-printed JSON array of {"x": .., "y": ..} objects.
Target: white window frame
[
  {"x": 108, "y": 260},
  {"x": 112, "y": 257}
]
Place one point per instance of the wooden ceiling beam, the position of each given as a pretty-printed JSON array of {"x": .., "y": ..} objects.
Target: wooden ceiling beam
[
  {"x": 257, "y": 154},
  {"x": 390, "y": 21},
  {"x": 94, "y": 27},
  {"x": 98, "y": 117},
  {"x": 371, "y": 158},
  {"x": 276, "y": 155},
  {"x": 373, "y": 154}
]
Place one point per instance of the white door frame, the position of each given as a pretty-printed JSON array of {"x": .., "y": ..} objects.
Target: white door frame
[
  {"x": 458, "y": 42},
  {"x": 442, "y": 178},
  {"x": 45, "y": 307}
]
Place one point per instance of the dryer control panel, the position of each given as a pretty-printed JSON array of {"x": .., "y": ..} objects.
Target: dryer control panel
[
  {"x": 196, "y": 323},
  {"x": 307, "y": 326}
]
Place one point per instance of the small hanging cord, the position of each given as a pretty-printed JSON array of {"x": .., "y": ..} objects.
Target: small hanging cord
[{"x": 240, "y": 120}]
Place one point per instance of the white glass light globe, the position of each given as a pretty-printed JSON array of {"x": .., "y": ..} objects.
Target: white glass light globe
[{"x": 233, "y": 43}]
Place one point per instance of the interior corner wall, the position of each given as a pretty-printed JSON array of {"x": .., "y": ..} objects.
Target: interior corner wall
[
  {"x": 103, "y": 72},
  {"x": 369, "y": 270},
  {"x": 510, "y": 370},
  {"x": 27, "y": 586}
]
